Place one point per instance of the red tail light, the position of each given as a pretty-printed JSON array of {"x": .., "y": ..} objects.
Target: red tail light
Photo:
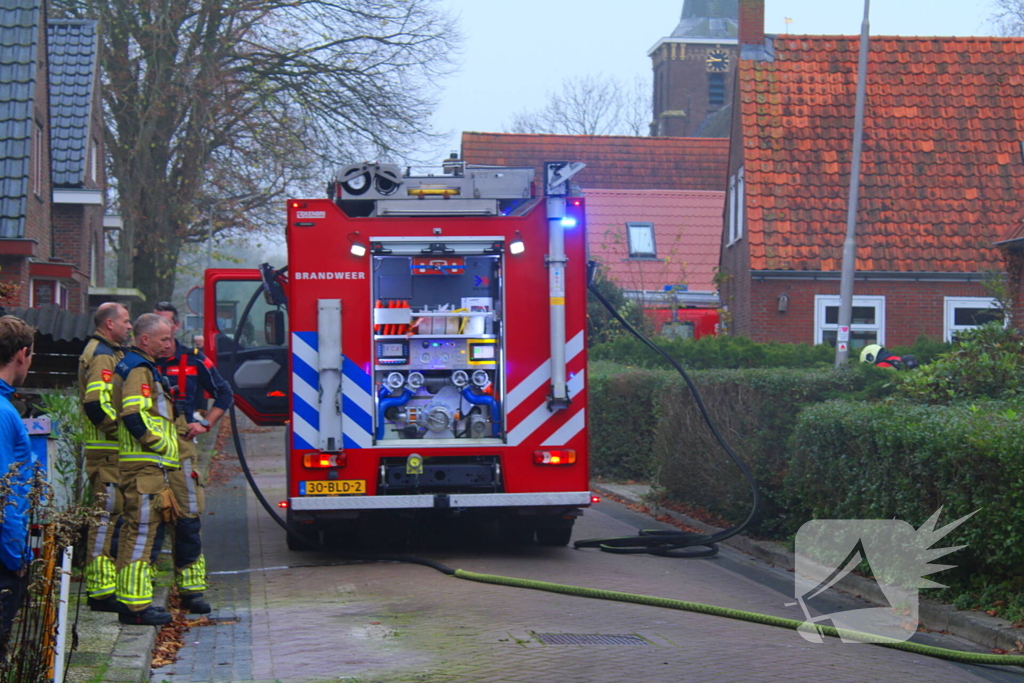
[
  {"x": 322, "y": 460},
  {"x": 563, "y": 457},
  {"x": 283, "y": 504}
]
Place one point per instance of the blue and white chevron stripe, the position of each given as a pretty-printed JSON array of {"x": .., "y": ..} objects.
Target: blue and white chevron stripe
[
  {"x": 357, "y": 401},
  {"x": 356, "y": 406},
  {"x": 305, "y": 390}
]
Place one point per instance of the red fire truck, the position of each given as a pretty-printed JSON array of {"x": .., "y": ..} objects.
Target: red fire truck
[{"x": 436, "y": 358}]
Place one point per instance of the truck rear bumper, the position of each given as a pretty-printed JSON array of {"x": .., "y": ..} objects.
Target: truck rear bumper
[{"x": 441, "y": 501}]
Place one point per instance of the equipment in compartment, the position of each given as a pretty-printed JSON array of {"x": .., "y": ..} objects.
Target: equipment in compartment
[{"x": 437, "y": 345}]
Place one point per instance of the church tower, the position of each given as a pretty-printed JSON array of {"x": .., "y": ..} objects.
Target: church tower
[{"x": 694, "y": 70}]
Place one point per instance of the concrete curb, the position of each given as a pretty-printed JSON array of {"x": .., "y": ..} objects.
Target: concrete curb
[
  {"x": 977, "y": 627},
  {"x": 131, "y": 660}
]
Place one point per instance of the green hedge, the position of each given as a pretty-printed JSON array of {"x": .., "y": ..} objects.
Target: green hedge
[
  {"x": 897, "y": 459},
  {"x": 728, "y": 352},
  {"x": 645, "y": 425},
  {"x": 625, "y": 409}
]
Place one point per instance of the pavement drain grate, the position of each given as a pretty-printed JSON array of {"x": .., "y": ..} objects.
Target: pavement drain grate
[{"x": 588, "y": 639}]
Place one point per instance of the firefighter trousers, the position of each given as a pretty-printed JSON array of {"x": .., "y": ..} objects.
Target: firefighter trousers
[
  {"x": 189, "y": 562},
  {"x": 102, "y": 477},
  {"x": 147, "y": 505}
]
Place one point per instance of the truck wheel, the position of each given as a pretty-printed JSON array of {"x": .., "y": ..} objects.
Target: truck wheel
[
  {"x": 559, "y": 535},
  {"x": 296, "y": 543},
  {"x": 516, "y": 533}
]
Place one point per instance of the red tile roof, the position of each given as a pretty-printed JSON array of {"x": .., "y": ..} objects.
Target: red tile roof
[
  {"x": 616, "y": 162},
  {"x": 687, "y": 233},
  {"x": 942, "y": 167}
]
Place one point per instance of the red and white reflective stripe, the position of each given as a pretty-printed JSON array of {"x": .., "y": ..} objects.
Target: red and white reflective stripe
[
  {"x": 540, "y": 415},
  {"x": 541, "y": 376},
  {"x": 568, "y": 430}
]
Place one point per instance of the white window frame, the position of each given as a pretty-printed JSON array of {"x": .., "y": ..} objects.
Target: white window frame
[
  {"x": 951, "y": 303},
  {"x": 823, "y": 301},
  {"x": 633, "y": 253},
  {"x": 60, "y": 292},
  {"x": 737, "y": 186}
]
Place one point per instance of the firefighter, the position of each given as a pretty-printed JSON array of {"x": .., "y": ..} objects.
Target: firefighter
[
  {"x": 189, "y": 373},
  {"x": 103, "y": 352},
  {"x": 883, "y": 358},
  {"x": 148, "y": 455}
]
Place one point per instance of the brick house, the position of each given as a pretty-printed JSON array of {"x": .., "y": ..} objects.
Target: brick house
[
  {"x": 654, "y": 205},
  {"x": 942, "y": 177},
  {"x": 51, "y": 158},
  {"x": 25, "y": 216}
]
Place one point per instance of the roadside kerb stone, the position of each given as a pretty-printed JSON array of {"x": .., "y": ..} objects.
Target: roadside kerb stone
[{"x": 977, "y": 627}]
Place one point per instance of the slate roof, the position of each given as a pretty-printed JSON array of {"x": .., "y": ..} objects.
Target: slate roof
[
  {"x": 616, "y": 162},
  {"x": 687, "y": 233},
  {"x": 942, "y": 167},
  {"x": 73, "y": 51},
  {"x": 708, "y": 19},
  {"x": 19, "y": 36}
]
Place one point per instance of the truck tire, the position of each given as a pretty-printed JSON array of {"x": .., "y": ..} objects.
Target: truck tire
[
  {"x": 554, "y": 536},
  {"x": 297, "y": 544},
  {"x": 516, "y": 532}
]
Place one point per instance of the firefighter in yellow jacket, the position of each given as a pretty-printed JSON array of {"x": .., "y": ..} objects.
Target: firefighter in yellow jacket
[
  {"x": 103, "y": 352},
  {"x": 147, "y": 452}
]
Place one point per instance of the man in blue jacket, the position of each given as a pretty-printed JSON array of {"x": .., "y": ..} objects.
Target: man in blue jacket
[
  {"x": 189, "y": 374},
  {"x": 16, "y": 340}
]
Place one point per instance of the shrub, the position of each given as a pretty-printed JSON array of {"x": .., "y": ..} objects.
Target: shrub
[
  {"x": 624, "y": 412},
  {"x": 756, "y": 410},
  {"x": 726, "y": 352},
  {"x": 904, "y": 460},
  {"x": 986, "y": 362},
  {"x": 601, "y": 326}
]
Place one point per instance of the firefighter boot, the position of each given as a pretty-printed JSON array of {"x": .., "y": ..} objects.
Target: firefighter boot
[
  {"x": 150, "y": 616},
  {"x": 195, "y": 603},
  {"x": 108, "y": 604}
]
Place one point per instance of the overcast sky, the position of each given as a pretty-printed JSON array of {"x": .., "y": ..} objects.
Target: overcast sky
[{"x": 516, "y": 51}]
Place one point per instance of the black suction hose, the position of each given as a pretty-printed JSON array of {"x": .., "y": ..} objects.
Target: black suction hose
[{"x": 663, "y": 542}]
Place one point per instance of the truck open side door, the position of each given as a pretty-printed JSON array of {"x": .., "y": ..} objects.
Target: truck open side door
[{"x": 252, "y": 354}]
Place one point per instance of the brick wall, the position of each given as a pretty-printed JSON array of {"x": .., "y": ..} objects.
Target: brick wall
[
  {"x": 751, "y": 22},
  {"x": 14, "y": 270},
  {"x": 681, "y": 85},
  {"x": 37, "y": 206},
  {"x": 912, "y": 309}
]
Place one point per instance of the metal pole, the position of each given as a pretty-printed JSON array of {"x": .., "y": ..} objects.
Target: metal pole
[
  {"x": 850, "y": 244},
  {"x": 559, "y": 397}
]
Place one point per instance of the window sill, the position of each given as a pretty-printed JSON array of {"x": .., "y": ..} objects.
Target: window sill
[{"x": 643, "y": 258}]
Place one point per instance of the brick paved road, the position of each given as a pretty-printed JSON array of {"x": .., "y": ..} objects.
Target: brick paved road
[{"x": 310, "y": 617}]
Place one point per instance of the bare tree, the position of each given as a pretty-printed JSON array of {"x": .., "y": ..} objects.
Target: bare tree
[
  {"x": 248, "y": 99},
  {"x": 1008, "y": 17},
  {"x": 590, "y": 105}
]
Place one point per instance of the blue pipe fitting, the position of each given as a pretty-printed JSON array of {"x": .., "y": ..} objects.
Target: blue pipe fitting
[
  {"x": 484, "y": 400},
  {"x": 388, "y": 403}
]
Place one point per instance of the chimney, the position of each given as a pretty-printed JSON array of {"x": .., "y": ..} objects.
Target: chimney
[{"x": 751, "y": 22}]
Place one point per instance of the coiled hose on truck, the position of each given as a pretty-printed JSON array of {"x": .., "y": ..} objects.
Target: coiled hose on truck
[{"x": 612, "y": 545}]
